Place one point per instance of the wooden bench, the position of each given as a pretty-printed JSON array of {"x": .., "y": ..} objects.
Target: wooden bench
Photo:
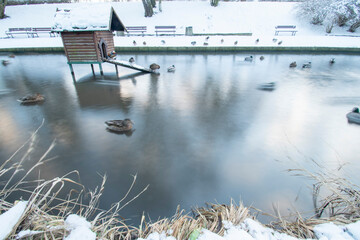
[
  {"x": 135, "y": 30},
  {"x": 12, "y": 31},
  {"x": 165, "y": 29},
  {"x": 285, "y": 28},
  {"x": 37, "y": 30}
]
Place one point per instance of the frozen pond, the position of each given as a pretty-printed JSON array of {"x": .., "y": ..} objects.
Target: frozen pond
[{"x": 204, "y": 133}]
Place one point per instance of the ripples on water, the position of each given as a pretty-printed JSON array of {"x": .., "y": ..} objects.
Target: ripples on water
[{"x": 202, "y": 134}]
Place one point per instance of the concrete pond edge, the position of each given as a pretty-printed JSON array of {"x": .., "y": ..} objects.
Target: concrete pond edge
[{"x": 199, "y": 49}]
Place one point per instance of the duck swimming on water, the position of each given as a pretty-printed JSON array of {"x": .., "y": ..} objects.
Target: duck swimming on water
[
  {"x": 5, "y": 62},
  {"x": 293, "y": 64},
  {"x": 154, "y": 66},
  {"x": 353, "y": 116},
  {"x": 36, "y": 98},
  {"x": 171, "y": 68},
  {"x": 248, "y": 59},
  {"x": 119, "y": 125},
  {"x": 306, "y": 65}
]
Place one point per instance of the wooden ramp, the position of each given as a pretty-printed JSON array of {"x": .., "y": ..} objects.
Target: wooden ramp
[{"x": 130, "y": 65}]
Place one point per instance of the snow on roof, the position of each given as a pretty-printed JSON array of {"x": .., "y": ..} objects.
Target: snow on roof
[{"x": 95, "y": 17}]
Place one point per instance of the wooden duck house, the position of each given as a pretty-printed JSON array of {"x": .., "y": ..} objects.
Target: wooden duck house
[{"x": 87, "y": 33}]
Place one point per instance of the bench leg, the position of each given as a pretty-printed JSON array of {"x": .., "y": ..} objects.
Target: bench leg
[
  {"x": 101, "y": 70},
  {"x": 92, "y": 69}
]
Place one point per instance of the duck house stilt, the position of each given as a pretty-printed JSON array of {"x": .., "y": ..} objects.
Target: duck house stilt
[{"x": 87, "y": 35}]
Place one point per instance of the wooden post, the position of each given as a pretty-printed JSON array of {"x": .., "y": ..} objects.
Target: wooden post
[
  {"x": 72, "y": 72},
  {"x": 71, "y": 69},
  {"x": 92, "y": 69},
  {"x": 117, "y": 70},
  {"x": 101, "y": 70}
]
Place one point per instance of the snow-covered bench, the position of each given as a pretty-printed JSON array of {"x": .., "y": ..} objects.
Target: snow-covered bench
[
  {"x": 13, "y": 31},
  {"x": 165, "y": 29},
  {"x": 35, "y": 31},
  {"x": 285, "y": 28},
  {"x": 135, "y": 30}
]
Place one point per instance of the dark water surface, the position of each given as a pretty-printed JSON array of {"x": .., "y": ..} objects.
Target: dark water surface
[{"x": 202, "y": 134}]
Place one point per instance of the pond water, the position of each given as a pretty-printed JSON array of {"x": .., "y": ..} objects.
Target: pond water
[{"x": 204, "y": 133}]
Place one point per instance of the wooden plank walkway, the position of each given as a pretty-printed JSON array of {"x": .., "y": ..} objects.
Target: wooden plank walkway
[{"x": 130, "y": 65}]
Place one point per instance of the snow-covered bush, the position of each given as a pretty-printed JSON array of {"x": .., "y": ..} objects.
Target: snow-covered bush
[{"x": 331, "y": 12}]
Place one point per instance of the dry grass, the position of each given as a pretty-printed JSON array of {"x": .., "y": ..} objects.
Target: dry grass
[
  {"x": 335, "y": 200},
  {"x": 182, "y": 225}
]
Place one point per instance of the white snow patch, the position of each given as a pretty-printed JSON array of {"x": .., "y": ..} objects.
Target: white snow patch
[
  {"x": 10, "y": 218},
  {"x": 27, "y": 233},
  {"x": 158, "y": 236},
  {"x": 79, "y": 228},
  {"x": 84, "y": 17},
  {"x": 354, "y": 229},
  {"x": 331, "y": 232}
]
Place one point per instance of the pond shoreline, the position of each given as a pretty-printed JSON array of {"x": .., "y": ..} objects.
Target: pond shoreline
[{"x": 201, "y": 49}]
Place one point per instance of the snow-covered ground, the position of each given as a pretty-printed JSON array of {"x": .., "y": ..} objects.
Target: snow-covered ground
[
  {"x": 80, "y": 229},
  {"x": 257, "y": 18}
]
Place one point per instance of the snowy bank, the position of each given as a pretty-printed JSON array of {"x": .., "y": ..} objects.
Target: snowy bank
[
  {"x": 252, "y": 230},
  {"x": 220, "y": 23},
  {"x": 11, "y": 218}
]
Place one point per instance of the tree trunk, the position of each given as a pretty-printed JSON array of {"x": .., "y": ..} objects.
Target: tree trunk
[
  {"x": 2, "y": 8},
  {"x": 148, "y": 8},
  {"x": 153, "y": 3},
  {"x": 354, "y": 26},
  {"x": 214, "y": 3}
]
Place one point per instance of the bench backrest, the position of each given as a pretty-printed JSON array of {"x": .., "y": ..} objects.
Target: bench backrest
[
  {"x": 19, "y": 29},
  {"x": 136, "y": 28},
  {"x": 165, "y": 27},
  {"x": 42, "y": 29},
  {"x": 285, "y": 26}
]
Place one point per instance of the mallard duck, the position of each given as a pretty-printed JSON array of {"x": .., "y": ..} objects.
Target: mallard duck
[
  {"x": 32, "y": 98},
  {"x": 293, "y": 64},
  {"x": 112, "y": 54},
  {"x": 119, "y": 125},
  {"x": 193, "y": 43},
  {"x": 131, "y": 60},
  {"x": 257, "y": 40},
  {"x": 248, "y": 59},
  {"x": 144, "y": 43},
  {"x": 306, "y": 65},
  {"x": 171, "y": 68},
  {"x": 11, "y": 56},
  {"x": 134, "y": 43},
  {"x": 222, "y": 41},
  {"x": 354, "y": 116},
  {"x": 280, "y": 42},
  {"x": 5, "y": 62},
  {"x": 262, "y": 58},
  {"x": 332, "y": 60},
  {"x": 236, "y": 42},
  {"x": 154, "y": 66},
  {"x": 163, "y": 42}
]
